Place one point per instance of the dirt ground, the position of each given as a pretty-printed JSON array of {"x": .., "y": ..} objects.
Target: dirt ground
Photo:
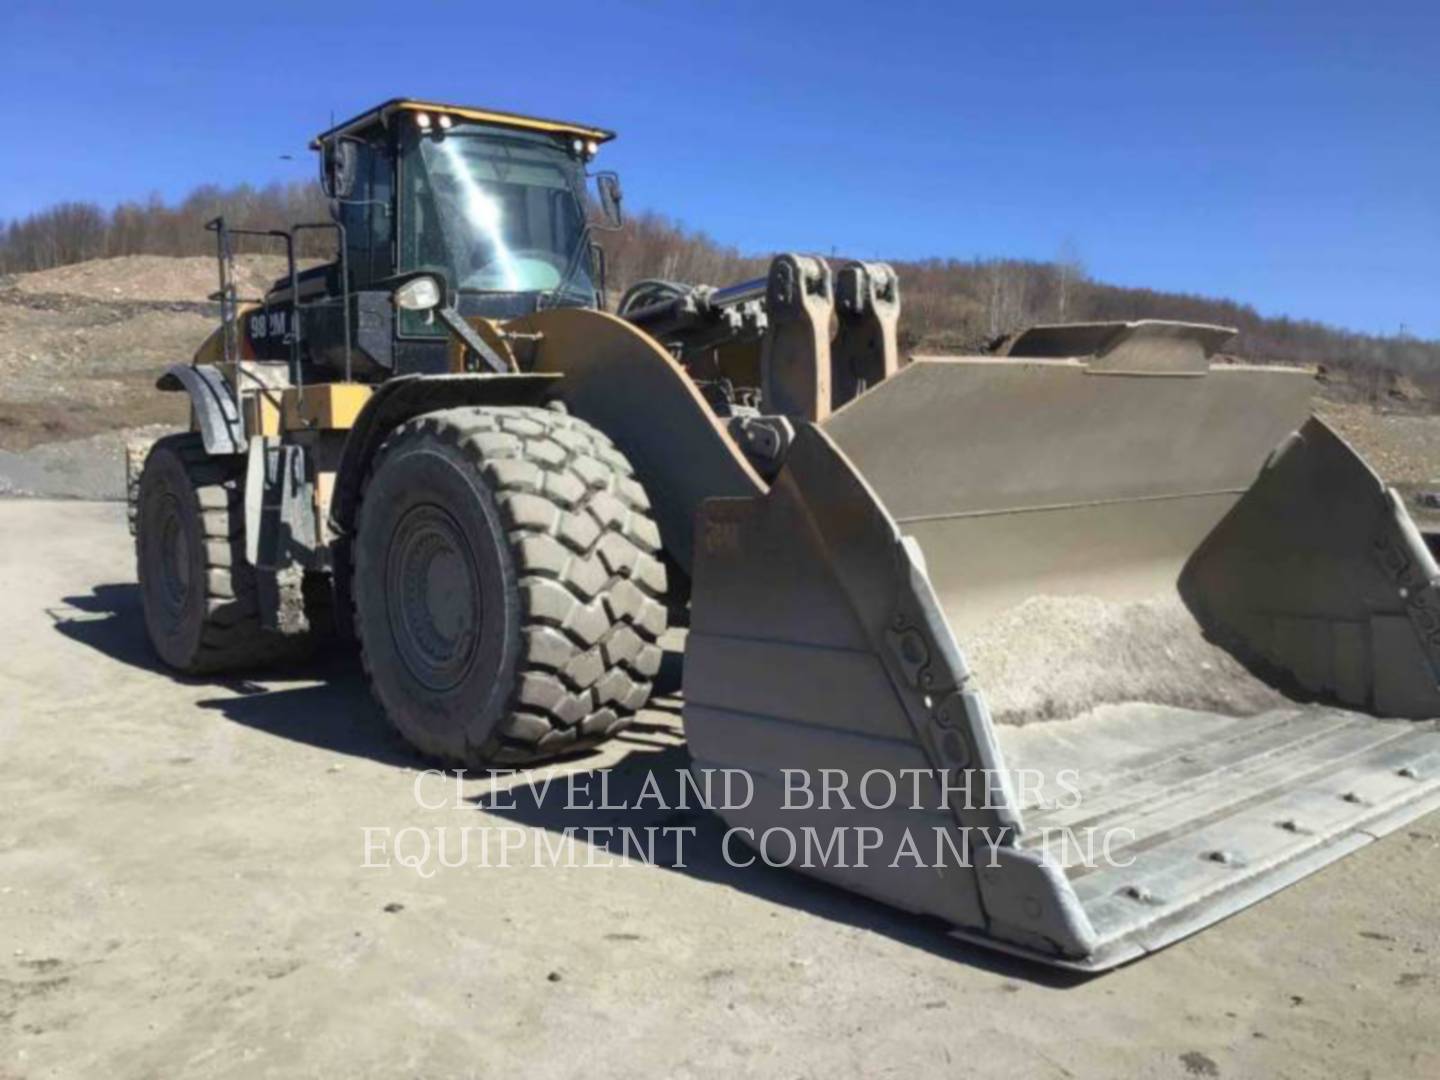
[
  {"x": 1403, "y": 446},
  {"x": 81, "y": 345},
  {"x": 184, "y": 891}
]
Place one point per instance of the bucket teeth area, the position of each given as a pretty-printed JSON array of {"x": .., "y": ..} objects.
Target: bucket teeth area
[{"x": 1166, "y": 819}]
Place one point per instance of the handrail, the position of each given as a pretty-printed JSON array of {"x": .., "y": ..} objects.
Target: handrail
[{"x": 229, "y": 302}]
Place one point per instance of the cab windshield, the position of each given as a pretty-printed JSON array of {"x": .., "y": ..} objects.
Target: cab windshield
[{"x": 499, "y": 211}]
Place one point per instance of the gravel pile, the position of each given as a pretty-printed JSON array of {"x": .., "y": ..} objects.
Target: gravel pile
[
  {"x": 150, "y": 277},
  {"x": 1054, "y": 658}
]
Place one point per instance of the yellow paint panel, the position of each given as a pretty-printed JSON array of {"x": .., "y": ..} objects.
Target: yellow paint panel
[
  {"x": 212, "y": 349},
  {"x": 262, "y": 414},
  {"x": 330, "y": 406},
  {"x": 324, "y": 492}
]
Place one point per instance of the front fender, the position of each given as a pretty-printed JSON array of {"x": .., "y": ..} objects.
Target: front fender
[{"x": 407, "y": 396}]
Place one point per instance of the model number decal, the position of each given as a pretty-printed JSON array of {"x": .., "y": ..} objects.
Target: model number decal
[{"x": 265, "y": 324}]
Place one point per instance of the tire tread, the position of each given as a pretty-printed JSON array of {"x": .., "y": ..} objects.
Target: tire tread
[
  {"x": 586, "y": 555},
  {"x": 231, "y": 636}
]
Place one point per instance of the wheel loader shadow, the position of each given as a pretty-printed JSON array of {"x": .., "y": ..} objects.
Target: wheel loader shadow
[
  {"x": 109, "y": 621},
  {"x": 334, "y": 712},
  {"x": 611, "y": 803}
]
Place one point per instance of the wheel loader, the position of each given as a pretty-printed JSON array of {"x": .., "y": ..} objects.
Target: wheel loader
[{"x": 948, "y": 614}]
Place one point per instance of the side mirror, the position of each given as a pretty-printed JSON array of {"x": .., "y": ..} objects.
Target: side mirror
[
  {"x": 607, "y": 185},
  {"x": 340, "y": 167}
]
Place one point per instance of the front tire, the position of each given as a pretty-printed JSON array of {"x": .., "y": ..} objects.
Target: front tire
[{"x": 508, "y": 585}]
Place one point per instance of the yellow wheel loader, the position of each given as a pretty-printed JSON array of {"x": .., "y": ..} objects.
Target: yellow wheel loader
[{"x": 1079, "y": 645}]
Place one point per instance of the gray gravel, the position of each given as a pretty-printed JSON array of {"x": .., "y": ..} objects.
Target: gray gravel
[{"x": 92, "y": 468}]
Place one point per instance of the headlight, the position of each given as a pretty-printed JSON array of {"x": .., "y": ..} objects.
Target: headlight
[
  {"x": 422, "y": 121},
  {"x": 418, "y": 294}
]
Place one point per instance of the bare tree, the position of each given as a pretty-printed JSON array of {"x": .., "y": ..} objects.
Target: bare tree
[
  {"x": 1070, "y": 270},
  {"x": 947, "y": 304}
]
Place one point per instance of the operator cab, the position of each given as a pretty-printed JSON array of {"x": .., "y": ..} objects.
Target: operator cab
[{"x": 494, "y": 206}]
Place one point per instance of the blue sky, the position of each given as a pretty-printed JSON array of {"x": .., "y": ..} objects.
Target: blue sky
[{"x": 1285, "y": 154}]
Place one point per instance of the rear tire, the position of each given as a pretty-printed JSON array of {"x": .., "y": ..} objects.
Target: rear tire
[
  {"x": 509, "y": 593},
  {"x": 197, "y": 592}
]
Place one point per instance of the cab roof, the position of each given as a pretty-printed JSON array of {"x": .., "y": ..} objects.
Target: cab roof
[{"x": 381, "y": 114}]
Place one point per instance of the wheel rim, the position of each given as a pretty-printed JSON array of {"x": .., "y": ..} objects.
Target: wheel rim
[
  {"x": 434, "y": 598},
  {"x": 173, "y": 557}
]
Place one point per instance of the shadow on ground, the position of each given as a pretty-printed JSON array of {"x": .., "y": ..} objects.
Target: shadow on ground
[
  {"x": 623, "y": 784},
  {"x": 334, "y": 712}
]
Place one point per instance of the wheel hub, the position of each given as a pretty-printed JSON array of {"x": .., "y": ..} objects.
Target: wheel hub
[
  {"x": 174, "y": 556},
  {"x": 433, "y": 592}
]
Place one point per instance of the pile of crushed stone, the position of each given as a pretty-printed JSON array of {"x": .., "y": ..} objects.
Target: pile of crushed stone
[
  {"x": 1055, "y": 658},
  {"x": 150, "y": 278}
]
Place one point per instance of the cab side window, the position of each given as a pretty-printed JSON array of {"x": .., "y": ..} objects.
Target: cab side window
[{"x": 367, "y": 216}]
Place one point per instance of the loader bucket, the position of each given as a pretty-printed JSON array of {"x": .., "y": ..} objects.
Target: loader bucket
[{"x": 1079, "y": 658}]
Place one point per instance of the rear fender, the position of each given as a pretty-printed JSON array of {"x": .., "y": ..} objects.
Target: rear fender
[{"x": 216, "y": 412}]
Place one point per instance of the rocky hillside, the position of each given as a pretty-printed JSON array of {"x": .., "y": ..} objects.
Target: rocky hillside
[{"x": 81, "y": 344}]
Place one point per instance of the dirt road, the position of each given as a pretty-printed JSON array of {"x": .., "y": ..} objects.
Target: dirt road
[{"x": 184, "y": 892}]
